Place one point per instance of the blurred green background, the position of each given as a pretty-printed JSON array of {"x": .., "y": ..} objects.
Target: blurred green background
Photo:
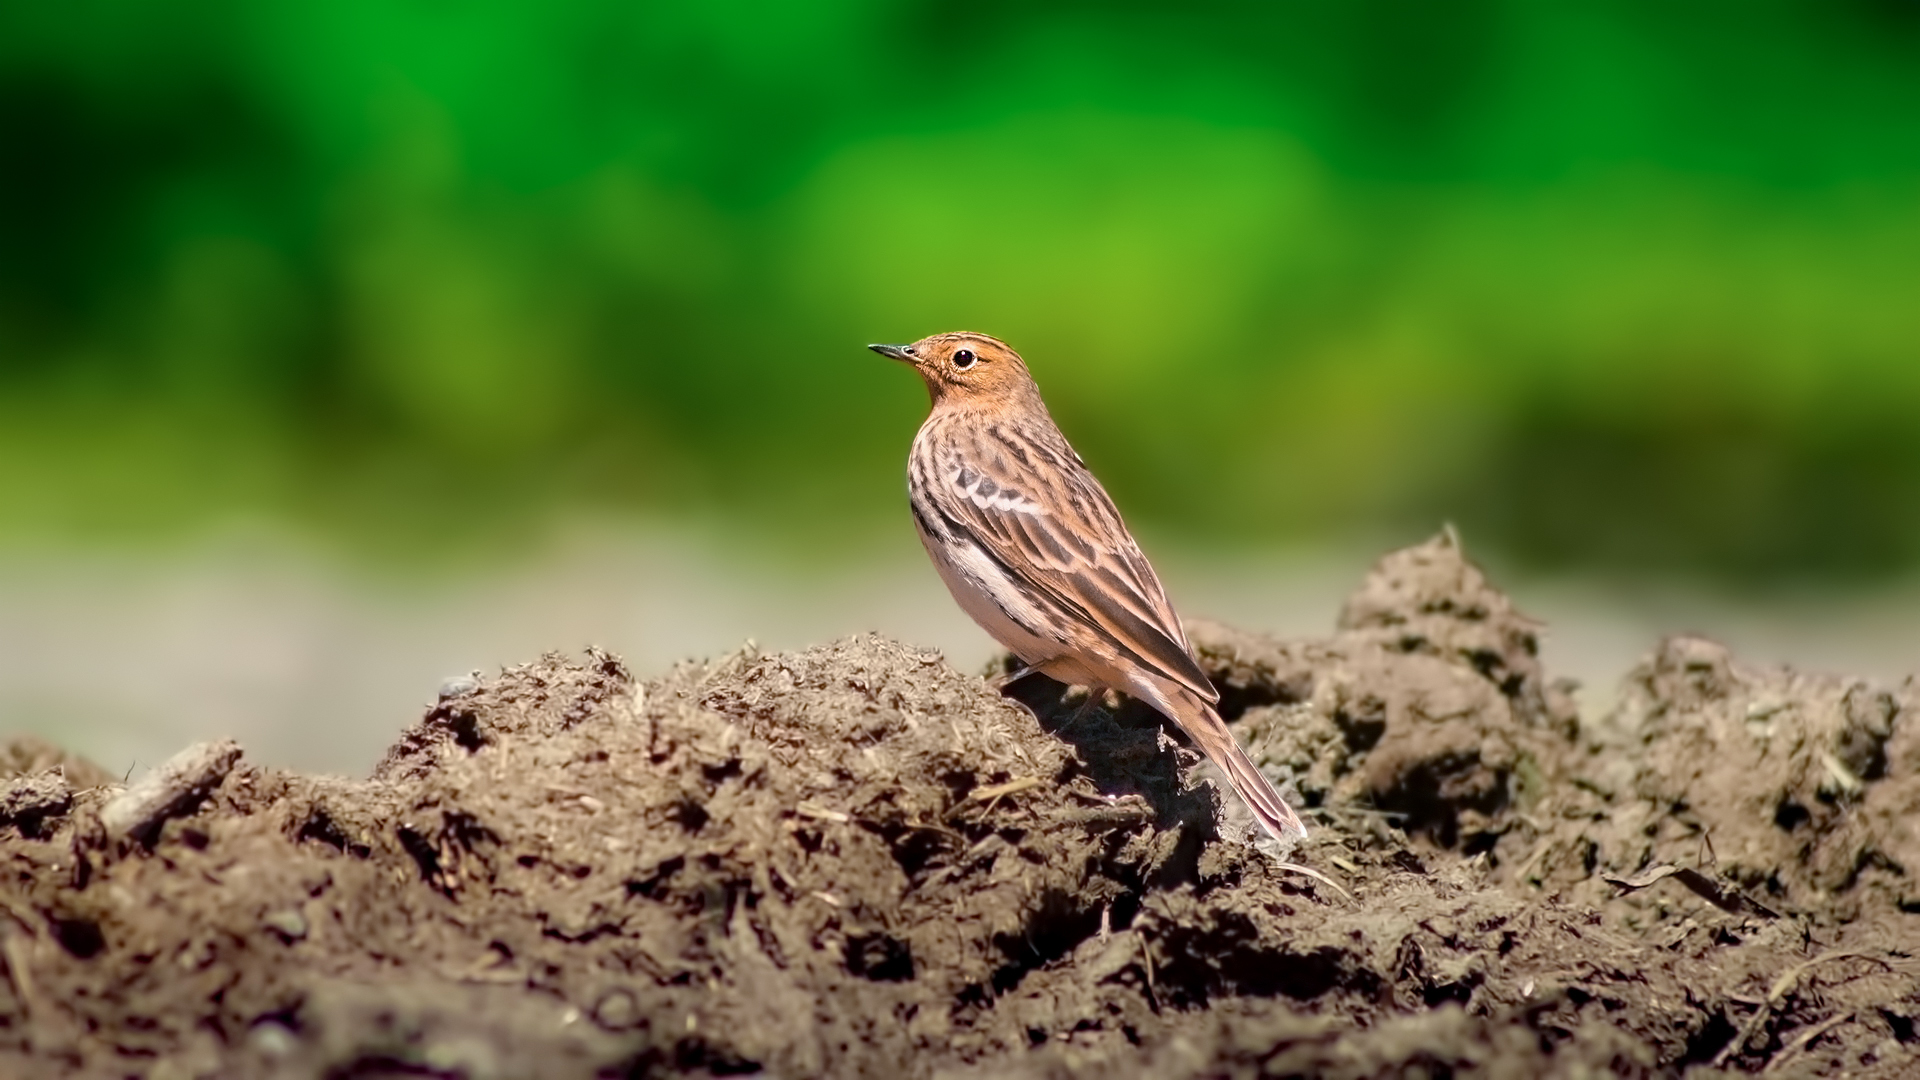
[{"x": 1615, "y": 285}]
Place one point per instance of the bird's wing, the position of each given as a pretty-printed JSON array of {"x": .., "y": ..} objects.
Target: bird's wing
[{"x": 1031, "y": 506}]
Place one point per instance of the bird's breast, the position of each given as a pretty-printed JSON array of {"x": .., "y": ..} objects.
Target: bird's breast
[{"x": 981, "y": 586}]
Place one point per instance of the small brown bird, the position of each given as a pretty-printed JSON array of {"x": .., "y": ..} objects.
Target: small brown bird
[{"x": 1032, "y": 548}]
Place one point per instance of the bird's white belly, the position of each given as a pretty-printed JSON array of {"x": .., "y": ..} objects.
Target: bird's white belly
[{"x": 982, "y": 591}]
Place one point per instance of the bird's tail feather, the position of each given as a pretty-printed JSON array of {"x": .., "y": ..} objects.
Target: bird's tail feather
[{"x": 1211, "y": 734}]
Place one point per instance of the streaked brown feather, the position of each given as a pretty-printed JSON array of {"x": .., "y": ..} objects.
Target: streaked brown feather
[{"x": 1076, "y": 555}]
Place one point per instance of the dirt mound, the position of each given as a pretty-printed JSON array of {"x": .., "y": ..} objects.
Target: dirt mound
[{"x": 855, "y": 861}]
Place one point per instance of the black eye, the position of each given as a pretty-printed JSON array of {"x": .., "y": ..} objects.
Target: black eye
[{"x": 963, "y": 359}]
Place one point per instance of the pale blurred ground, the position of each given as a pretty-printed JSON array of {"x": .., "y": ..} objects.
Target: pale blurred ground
[{"x": 317, "y": 664}]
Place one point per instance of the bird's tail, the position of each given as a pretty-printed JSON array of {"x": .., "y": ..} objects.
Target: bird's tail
[{"x": 1211, "y": 734}]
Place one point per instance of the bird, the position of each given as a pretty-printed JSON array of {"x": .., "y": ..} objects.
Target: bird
[{"x": 1033, "y": 549}]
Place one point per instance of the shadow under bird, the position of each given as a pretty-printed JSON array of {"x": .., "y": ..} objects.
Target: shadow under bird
[{"x": 1033, "y": 549}]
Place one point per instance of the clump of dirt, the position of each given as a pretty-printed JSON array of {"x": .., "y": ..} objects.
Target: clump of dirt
[
  {"x": 1428, "y": 704},
  {"x": 1800, "y": 788},
  {"x": 855, "y": 861}
]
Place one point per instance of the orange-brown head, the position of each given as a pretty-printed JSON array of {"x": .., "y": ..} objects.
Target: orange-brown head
[{"x": 965, "y": 368}]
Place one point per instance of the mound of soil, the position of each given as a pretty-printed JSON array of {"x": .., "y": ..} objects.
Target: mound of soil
[{"x": 856, "y": 861}]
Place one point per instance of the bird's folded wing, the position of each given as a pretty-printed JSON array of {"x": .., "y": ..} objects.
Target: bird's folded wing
[{"x": 1057, "y": 534}]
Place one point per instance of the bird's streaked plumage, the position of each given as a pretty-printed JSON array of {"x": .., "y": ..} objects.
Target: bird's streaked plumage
[{"x": 1033, "y": 549}]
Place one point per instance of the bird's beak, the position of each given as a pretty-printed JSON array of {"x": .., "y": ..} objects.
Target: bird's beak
[{"x": 894, "y": 352}]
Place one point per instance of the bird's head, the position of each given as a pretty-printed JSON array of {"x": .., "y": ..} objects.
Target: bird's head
[{"x": 964, "y": 367}]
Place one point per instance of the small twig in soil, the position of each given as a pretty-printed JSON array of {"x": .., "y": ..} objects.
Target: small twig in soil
[
  {"x": 172, "y": 789},
  {"x": 1792, "y": 975},
  {"x": 1146, "y": 957},
  {"x": 1739, "y": 1042},
  {"x": 1727, "y": 900},
  {"x": 1307, "y": 871},
  {"x": 820, "y": 813},
  {"x": 993, "y": 794},
  {"x": 1331, "y": 812},
  {"x": 1806, "y": 1039},
  {"x": 1777, "y": 992},
  {"x": 1538, "y": 853},
  {"x": 1344, "y": 864},
  {"x": 1011, "y": 787}
]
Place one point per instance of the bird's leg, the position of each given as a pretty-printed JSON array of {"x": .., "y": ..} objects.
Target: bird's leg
[{"x": 1001, "y": 682}]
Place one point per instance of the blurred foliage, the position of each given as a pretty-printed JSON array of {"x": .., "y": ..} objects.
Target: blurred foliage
[{"x": 1608, "y": 282}]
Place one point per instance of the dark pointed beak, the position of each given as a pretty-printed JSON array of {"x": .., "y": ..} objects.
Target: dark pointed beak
[{"x": 895, "y": 352}]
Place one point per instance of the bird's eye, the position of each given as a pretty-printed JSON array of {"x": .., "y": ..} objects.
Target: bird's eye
[{"x": 963, "y": 359}]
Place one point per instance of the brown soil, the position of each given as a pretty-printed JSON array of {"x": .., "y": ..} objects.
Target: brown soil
[{"x": 856, "y": 861}]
